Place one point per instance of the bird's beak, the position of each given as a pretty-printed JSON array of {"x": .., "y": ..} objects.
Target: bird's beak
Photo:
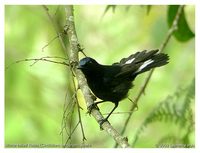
[{"x": 79, "y": 67}]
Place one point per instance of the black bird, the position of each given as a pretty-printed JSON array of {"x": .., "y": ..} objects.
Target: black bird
[{"x": 112, "y": 82}]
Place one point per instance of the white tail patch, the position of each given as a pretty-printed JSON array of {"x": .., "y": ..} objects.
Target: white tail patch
[
  {"x": 129, "y": 61},
  {"x": 145, "y": 64}
]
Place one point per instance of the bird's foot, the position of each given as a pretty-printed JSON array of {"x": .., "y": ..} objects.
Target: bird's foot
[
  {"x": 103, "y": 121},
  {"x": 91, "y": 107}
]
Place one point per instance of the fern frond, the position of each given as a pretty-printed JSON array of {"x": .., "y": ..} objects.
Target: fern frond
[{"x": 175, "y": 109}]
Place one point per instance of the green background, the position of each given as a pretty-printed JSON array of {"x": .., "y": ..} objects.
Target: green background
[{"x": 35, "y": 95}]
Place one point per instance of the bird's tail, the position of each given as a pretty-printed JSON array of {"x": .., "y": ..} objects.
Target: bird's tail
[
  {"x": 150, "y": 60},
  {"x": 143, "y": 61}
]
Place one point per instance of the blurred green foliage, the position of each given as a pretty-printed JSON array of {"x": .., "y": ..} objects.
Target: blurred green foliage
[
  {"x": 35, "y": 95},
  {"x": 183, "y": 32}
]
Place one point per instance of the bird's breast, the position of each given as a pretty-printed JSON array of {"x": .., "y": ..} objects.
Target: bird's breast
[{"x": 104, "y": 89}]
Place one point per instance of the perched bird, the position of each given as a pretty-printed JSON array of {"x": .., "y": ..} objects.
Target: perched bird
[{"x": 112, "y": 82}]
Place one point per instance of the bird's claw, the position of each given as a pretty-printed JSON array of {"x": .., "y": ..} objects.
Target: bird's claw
[
  {"x": 102, "y": 121},
  {"x": 91, "y": 107}
]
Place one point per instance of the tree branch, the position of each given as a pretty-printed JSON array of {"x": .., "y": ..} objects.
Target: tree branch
[
  {"x": 73, "y": 57},
  {"x": 172, "y": 29}
]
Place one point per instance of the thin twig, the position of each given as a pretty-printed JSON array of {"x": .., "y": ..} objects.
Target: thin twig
[
  {"x": 67, "y": 107},
  {"x": 46, "y": 59},
  {"x": 70, "y": 66},
  {"x": 71, "y": 134},
  {"x": 79, "y": 113},
  {"x": 69, "y": 115},
  {"x": 172, "y": 29},
  {"x": 80, "y": 121},
  {"x": 118, "y": 113},
  {"x": 55, "y": 25},
  {"x": 49, "y": 42}
]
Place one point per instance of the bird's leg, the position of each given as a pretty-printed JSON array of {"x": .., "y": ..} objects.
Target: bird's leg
[
  {"x": 94, "y": 106},
  {"x": 106, "y": 119}
]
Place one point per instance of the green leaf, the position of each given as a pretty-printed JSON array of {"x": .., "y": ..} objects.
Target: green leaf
[
  {"x": 148, "y": 9},
  {"x": 110, "y": 7},
  {"x": 107, "y": 8},
  {"x": 183, "y": 33}
]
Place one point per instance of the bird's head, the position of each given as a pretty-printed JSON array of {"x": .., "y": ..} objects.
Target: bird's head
[{"x": 87, "y": 64}]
